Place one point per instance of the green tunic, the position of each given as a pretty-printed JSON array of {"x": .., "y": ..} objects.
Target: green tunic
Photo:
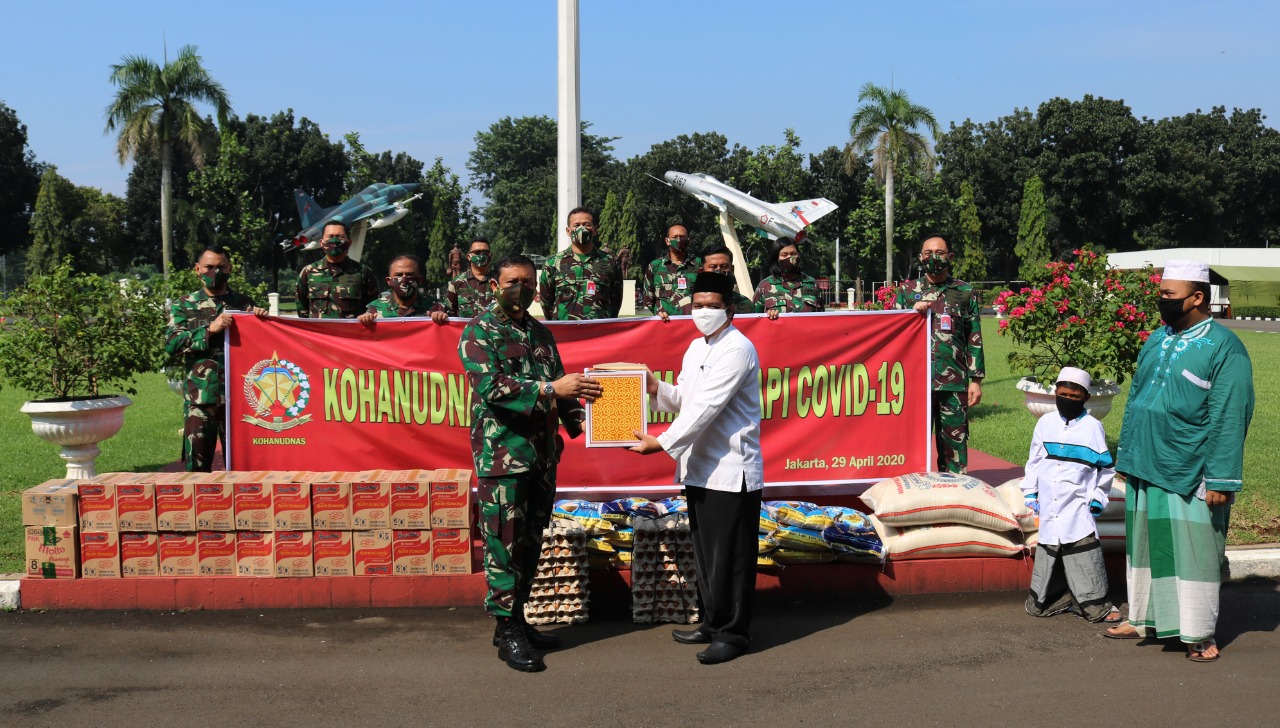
[
  {"x": 202, "y": 352},
  {"x": 957, "y": 350},
  {"x": 575, "y": 287},
  {"x": 660, "y": 287},
  {"x": 799, "y": 295},
  {"x": 513, "y": 428},
  {"x": 1189, "y": 409}
]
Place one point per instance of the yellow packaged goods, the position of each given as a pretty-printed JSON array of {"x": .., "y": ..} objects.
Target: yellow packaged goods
[
  {"x": 789, "y": 557},
  {"x": 930, "y": 498},
  {"x": 765, "y": 563},
  {"x": 767, "y": 543},
  {"x": 790, "y": 513},
  {"x": 800, "y": 539},
  {"x": 848, "y": 521},
  {"x": 600, "y": 545},
  {"x": 622, "y": 537},
  {"x": 944, "y": 540},
  {"x": 585, "y": 513},
  {"x": 767, "y": 522},
  {"x": 621, "y": 511},
  {"x": 1011, "y": 492}
]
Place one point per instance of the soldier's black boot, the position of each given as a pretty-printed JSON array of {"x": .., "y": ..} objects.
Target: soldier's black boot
[
  {"x": 514, "y": 648},
  {"x": 537, "y": 640}
]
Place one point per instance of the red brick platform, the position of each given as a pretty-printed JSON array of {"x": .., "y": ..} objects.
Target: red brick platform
[{"x": 924, "y": 576}]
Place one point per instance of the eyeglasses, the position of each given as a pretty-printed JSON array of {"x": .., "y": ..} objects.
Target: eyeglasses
[
  {"x": 718, "y": 268},
  {"x": 335, "y": 240},
  {"x": 679, "y": 239}
]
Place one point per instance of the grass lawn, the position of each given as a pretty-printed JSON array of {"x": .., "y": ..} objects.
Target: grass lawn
[{"x": 1001, "y": 426}]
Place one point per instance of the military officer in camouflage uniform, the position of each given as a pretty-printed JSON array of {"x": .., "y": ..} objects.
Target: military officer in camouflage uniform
[
  {"x": 716, "y": 260},
  {"x": 584, "y": 281},
  {"x": 787, "y": 289},
  {"x": 335, "y": 286},
  {"x": 470, "y": 293},
  {"x": 518, "y": 392},
  {"x": 404, "y": 283},
  {"x": 958, "y": 363},
  {"x": 196, "y": 325},
  {"x": 668, "y": 280}
]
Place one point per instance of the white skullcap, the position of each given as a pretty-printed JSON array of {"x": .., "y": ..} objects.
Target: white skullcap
[
  {"x": 1186, "y": 270},
  {"x": 1075, "y": 376}
]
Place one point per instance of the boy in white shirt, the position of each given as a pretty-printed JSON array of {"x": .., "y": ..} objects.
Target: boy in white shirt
[{"x": 1068, "y": 480}]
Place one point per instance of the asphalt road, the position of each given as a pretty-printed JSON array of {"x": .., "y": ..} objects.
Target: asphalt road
[
  {"x": 1262, "y": 327},
  {"x": 954, "y": 660}
]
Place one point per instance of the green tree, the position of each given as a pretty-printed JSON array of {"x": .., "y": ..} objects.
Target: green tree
[
  {"x": 1033, "y": 236},
  {"x": 610, "y": 215},
  {"x": 51, "y": 238},
  {"x": 154, "y": 107},
  {"x": 886, "y": 124},
  {"x": 19, "y": 182},
  {"x": 971, "y": 262},
  {"x": 225, "y": 211},
  {"x": 514, "y": 166},
  {"x": 627, "y": 236},
  {"x": 100, "y": 233}
]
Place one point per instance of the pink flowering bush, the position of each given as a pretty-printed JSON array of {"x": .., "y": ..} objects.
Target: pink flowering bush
[{"x": 1083, "y": 314}]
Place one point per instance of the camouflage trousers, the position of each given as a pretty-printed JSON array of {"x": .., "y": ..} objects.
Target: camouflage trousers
[
  {"x": 514, "y": 511},
  {"x": 203, "y": 425},
  {"x": 951, "y": 430}
]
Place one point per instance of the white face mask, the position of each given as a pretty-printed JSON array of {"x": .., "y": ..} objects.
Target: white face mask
[{"x": 708, "y": 320}]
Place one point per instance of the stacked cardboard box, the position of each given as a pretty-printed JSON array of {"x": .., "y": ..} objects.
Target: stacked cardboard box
[
  {"x": 664, "y": 578},
  {"x": 253, "y": 524},
  {"x": 560, "y": 590}
]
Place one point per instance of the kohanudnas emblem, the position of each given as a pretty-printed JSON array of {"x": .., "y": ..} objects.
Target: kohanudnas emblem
[{"x": 277, "y": 391}]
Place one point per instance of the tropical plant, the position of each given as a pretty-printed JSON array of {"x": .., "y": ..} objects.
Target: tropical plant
[
  {"x": 154, "y": 108},
  {"x": 886, "y": 124},
  {"x": 1080, "y": 313},
  {"x": 70, "y": 335}
]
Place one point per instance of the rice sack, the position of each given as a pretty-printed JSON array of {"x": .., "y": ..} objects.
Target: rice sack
[
  {"x": 943, "y": 540},
  {"x": 931, "y": 498},
  {"x": 585, "y": 514},
  {"x": 768, "y": 524},
  {"x": 790, "y": 513},
  {"x": 850, "y": 521},
  {"x": 1011, "y": 491},
  {"x": 767, "y": 543},
  {"x": 788, "y": 557},
  {"x": 800, "y": 539}
]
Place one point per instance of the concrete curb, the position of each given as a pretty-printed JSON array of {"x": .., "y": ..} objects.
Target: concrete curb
[
  {"x": 9, "y": 600},
  {"x": 1253, "y": 563}
]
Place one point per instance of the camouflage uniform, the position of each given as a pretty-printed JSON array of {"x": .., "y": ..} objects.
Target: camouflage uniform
[
  {"x": 335, "y": 290},
  {"x": 514, "y": 444},
  {"x": 957, "y": 359},
  {"x": 468, "y": 296},
  {"x": 386, "y": 307},
  {"x": 660, "y": 288},
  {"x": 740, "y": 303},
  {"x": 203, "y": 405},
  {"x": 800, "y": 295},
  {"x": 574, "y": 287}
]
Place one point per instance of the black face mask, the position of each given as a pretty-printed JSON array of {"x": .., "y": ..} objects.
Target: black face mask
[
  {"x": 1069, "y": 408},
  {"x": 1171, "y": 310}
]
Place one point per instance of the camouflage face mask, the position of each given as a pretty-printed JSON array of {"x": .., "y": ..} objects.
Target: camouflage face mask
[
  {"x": 479, "y": 260},
  {"x": 516, "y": 298},
  {"x": 215, "y": 281},
  {"x": 935, "y": 265},
  {"x": 583, "y": 235}
]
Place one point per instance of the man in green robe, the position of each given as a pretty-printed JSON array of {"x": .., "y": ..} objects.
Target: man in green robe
[{"x": 1182, "y": 451}]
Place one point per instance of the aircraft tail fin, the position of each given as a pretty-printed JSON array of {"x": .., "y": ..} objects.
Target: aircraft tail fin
[
  {"x": 806, "y": 212},
  {"x": 308, "y": 210}
]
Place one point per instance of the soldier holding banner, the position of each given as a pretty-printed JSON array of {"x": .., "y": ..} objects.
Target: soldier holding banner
[
  {"x": 335, "y": 286},
  {"x": 404, "y": 279},
  {"x": 519, "y": 391}
]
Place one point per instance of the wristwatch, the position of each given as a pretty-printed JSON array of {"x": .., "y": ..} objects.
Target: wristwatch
[{"x": 549, "y": 389}]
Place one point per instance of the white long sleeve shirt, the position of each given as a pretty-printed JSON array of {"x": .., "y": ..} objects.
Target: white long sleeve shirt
[
  {"x": 716, "y": 439},
  {"x": 1069, "y": 465}
]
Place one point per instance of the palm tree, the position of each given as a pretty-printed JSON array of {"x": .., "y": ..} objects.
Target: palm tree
[
  {"x": 153, "y": 108},
  {"x": 885, "y": 124}
]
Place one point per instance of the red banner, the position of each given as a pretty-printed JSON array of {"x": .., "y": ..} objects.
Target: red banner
[{"x": 844, "y": 396}]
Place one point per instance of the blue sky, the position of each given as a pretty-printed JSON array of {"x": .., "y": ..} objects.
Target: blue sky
[{"x": 423, "y": 77}]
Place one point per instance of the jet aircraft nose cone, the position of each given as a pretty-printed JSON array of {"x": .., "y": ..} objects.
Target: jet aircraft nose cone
[{"x": 670, "y": 176}]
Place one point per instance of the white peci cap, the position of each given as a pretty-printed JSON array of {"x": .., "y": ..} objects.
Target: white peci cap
[
  {"x": 1075, "y": 376},
  {"x": 1186, "y": 270}
]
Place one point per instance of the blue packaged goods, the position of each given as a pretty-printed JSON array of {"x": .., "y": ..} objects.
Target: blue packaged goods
[
  {"x": 585, "y": 513},
  {"x": 800, "y": 539},
  {"x": 623, "y": 509},
  {"x": 767, "y": 543},
  {"x": 866, "y": 550},
  {"x": 851, "y": 522},
  {"x": 790, "y": 513},
  {"x": 675, "y": 504},
  {"x": 768, "y": 524}
]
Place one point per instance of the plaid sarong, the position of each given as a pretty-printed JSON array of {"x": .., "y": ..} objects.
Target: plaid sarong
[{"x": 1175, "y": 551}]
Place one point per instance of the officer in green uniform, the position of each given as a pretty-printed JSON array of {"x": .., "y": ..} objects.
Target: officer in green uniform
[
  {"x": 518, "y": 392},
  {"x": 787, "y": 289},
  {"x": 404, "y": 282},
  {"x": 715, "y": 260},
  {"x": 470, "y": 293},
  {"x": 335, "y": 286},
  {"x": 196, "y": 325},
  {"x": 669, "y": 279},
  {"x": 584, "y": 281},
  {"x": 958, "y": 364}
]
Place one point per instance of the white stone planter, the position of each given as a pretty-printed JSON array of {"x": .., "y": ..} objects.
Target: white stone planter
[
  {"x": 78, "y": 426},
  {"x": 1040, "y": 400}
]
